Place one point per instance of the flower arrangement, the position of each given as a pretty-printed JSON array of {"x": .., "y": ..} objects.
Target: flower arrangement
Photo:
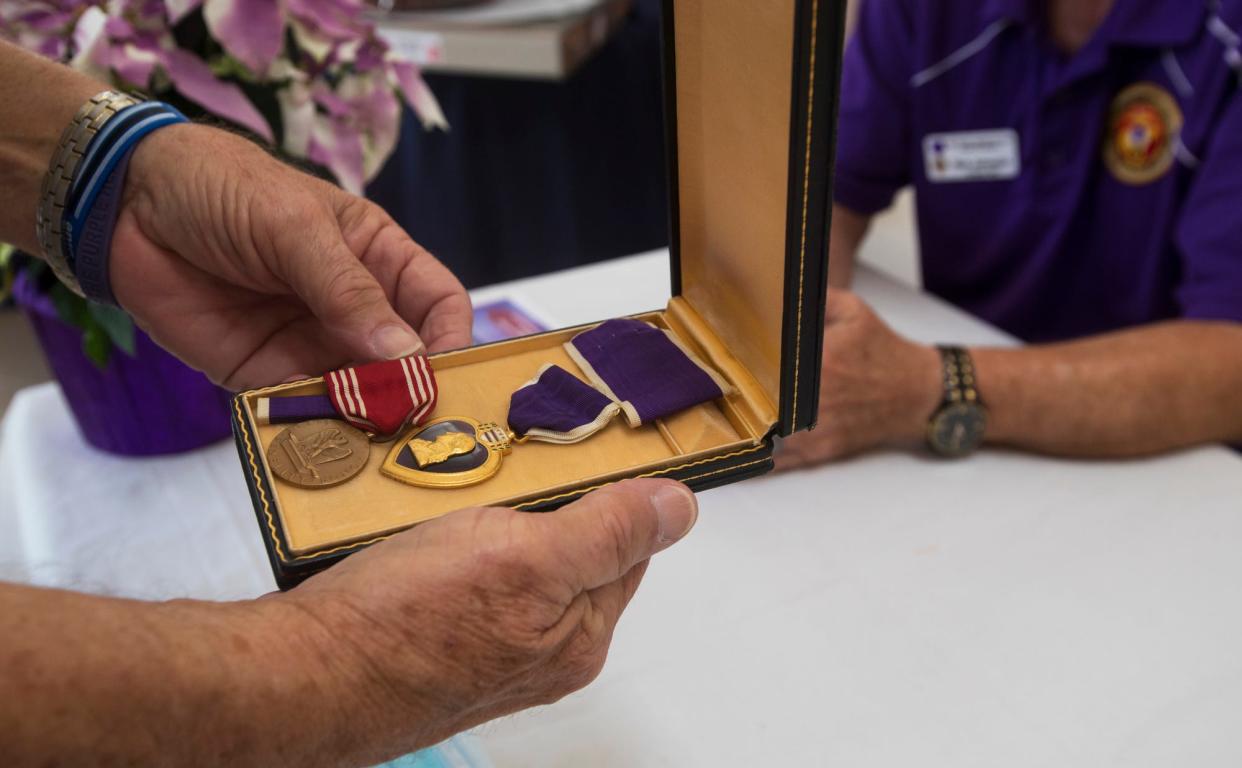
[{"x": 310, "y": 77}]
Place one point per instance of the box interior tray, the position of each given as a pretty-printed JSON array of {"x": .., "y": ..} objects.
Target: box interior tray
[{"x": 477, "y": 383}]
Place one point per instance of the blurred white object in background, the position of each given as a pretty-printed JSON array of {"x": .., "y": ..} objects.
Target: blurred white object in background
[
  {"x": 506, "y": 12},
  {"x": 523, "y": 39},
  {"x": 892, "y": 243}
]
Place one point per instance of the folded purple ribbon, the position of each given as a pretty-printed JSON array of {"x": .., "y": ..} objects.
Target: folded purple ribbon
[
  {"x": 634, "y": 368},
  {"x": 556, "y": 401}
]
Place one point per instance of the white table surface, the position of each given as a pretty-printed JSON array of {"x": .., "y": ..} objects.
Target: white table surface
[{"x": 892, "y": 610}]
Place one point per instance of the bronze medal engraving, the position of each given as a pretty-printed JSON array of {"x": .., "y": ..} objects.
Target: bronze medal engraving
[{"x": 318, "y": 454}]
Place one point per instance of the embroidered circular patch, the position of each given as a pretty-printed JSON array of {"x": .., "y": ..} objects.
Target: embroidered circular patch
[{"x": 1143, "y": 128}]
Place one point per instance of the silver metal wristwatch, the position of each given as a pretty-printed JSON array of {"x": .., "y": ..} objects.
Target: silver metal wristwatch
[{"x": 50, "y": 216}]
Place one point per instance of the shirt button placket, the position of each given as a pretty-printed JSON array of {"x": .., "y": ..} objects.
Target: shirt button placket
[{"x": 1063, "y": 133}]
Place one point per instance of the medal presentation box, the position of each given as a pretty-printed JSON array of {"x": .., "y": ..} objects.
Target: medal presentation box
[{"x": 750, "y": 105}]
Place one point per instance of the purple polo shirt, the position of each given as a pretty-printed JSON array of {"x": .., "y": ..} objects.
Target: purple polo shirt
[{"x": 1039, "y": 234}]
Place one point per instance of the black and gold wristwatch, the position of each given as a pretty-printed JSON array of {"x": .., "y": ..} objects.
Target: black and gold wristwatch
[{"x": 956, "y": 428}]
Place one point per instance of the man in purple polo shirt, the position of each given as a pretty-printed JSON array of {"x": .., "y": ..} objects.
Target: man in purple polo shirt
[{"x": 1078, "y": 174}]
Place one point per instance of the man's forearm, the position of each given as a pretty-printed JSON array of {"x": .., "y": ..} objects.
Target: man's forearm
[
  {"x": 1131, "y": 393},
  {"x": 90, "y": 680},
  {"x": 39, "y": 98}
]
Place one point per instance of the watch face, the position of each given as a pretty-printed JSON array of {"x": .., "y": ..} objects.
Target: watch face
[{"x": 957, "y": 429}]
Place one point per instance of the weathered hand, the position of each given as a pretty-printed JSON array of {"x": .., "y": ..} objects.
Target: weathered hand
[
  {"x": 486, "y": 611},
  {"x": 876, "y": 387},
  {"x": 252, "y": 271}
]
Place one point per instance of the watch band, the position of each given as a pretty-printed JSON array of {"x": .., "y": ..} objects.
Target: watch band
[
  {"x": 53, "y": 196},
  {"x": 958, "y": 370}
]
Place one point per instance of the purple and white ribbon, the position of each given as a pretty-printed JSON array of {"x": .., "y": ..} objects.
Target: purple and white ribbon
[{"x": 633, "y": 368}]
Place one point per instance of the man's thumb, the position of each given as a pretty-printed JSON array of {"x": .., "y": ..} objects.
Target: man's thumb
[
  {"x": 607, "y": 532},
  {"x": 349, "y": 301}
]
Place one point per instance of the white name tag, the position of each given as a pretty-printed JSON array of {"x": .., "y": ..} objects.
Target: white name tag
[{"x": 972, "y": 156}]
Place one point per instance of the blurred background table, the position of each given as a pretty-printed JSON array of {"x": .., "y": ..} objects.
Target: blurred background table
[
  {"x": 892, "y": 610},
  {"x": 524, "y": 39}
]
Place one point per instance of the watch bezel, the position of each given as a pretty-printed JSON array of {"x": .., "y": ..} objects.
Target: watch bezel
[{"x": 978, "y": 412}]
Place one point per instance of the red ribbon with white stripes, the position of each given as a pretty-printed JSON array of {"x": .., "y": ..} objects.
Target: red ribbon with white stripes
[{"x": 384, "y": 398}]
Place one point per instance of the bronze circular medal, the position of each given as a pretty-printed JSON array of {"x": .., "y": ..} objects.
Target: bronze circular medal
[{"x": 319, "y": 453}]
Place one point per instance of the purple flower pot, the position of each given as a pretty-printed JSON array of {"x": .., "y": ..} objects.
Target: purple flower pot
[{"x": 146, "y": 405}]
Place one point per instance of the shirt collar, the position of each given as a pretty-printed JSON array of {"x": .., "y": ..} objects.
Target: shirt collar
[
  {"x": 1142, "y": 23},
  {"x": 1154, "y": 23}
]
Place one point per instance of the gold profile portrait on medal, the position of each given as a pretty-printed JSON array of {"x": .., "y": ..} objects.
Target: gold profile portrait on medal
[
  {"x": 448, "y": 453},
  {"x": 1144, "y": 126}
]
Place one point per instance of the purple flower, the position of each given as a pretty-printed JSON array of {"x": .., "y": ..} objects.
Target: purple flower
[
  {"x": 405, "y": 75},
  {"x": 336, "y": 20},
  {"x": 251, "y": 30},
  {"x": 337, "y": 84},
  {"x": 43, "y": 26},
  {"x": 136, "y": 54}
]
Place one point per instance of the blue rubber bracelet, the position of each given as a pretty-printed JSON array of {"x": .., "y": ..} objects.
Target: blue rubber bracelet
[
  {"x": 94, "y": 238},
  {"x": 96, "y": 151},
  {"x": 116, "y": 138}
]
